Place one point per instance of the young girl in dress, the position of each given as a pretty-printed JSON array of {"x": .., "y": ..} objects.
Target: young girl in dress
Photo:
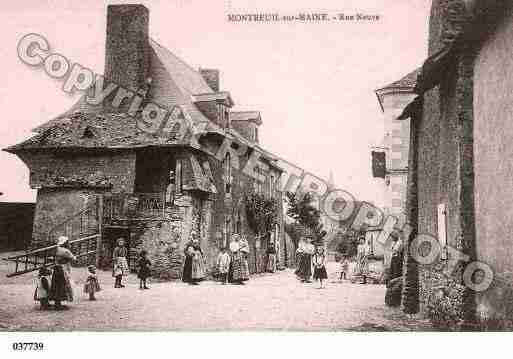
[
  {"x": 120, "y": 264},
  {"x": 319, "y": 266},
  {"x": 344, "y": 267},
  {"x": 144, "y": 273},
  {"x": 43, "y": 288},
  {"x": 91, "y": 285}
]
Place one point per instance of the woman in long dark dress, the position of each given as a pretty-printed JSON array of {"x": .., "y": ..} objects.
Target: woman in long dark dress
[
  {"x": 305, "y": 264},
  {"x": 198, "y": 264},
  {"x": 144, "y": 272},
  {"x": 396, "y": 262},
  {"x": 61, "y": 289},
  {"x": 187, "y": 266},
  {"x": 318, "y": 261},
  {"x": 193, "y": 268},
  {"x": 239, "y": 272},
  {"x": 271, "y": 258}
]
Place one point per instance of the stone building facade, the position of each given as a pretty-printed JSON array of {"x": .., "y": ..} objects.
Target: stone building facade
[
  {"x": 392, "y": 99},
  {"x": 156, "y": 187},
  {"x": 460, "y": 173}
]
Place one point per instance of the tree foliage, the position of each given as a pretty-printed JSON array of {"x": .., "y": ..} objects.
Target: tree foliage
[
  {"x": 262, "y": 213},
  {"x": 304, "y": 212}
]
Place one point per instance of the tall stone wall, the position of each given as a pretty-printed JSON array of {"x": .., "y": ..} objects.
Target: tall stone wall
[
  {"x": 445, "y": 171},
  {"x": 493, "y": 170},
  {"x": 66, "y": 181}
]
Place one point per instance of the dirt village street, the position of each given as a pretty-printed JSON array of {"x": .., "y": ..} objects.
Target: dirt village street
[{"x": 270, "y": 301}]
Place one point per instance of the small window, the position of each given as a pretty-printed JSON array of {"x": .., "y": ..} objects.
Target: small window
[
  {"x": 272, "y": 187},
  {"x": 238, "y": 225},
  {"x": 227, "y": 117},
  {"x": 227, "y": 169},
  {"x": 227, "y": 229},
  {"x": 88, "y": 133}
]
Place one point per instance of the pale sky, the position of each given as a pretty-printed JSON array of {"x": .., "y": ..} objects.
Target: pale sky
[{"x": 313, "y": 83}]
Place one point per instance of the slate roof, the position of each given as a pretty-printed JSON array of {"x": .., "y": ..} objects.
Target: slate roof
[
  {"x": 246, "y": 116},
  {"x": 407, "y": 82},
  {"x": 174, "y": 83},
  {"x": 222, "y": 96}
]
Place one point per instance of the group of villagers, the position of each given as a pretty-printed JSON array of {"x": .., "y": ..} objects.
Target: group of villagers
[
  {"x": 310, "y": 259},
  {"x": 57, "y": 285},
  {"x": 232, "y": 263}
]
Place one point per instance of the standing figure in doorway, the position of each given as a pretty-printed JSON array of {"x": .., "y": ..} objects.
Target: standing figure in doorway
[
  {"x": 187, "y": 265},
  {"x": 170, "y": 191},
  {"x": 120, "y": 263},
  {"x": 271, "y": 258},
  {"x": 362, "y": 260},
  {"x": 61, "y": 289}
]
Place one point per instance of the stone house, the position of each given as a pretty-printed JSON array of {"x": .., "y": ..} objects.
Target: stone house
[
  {"x": 155, "y": 188},
  {"x": 459, "y": 173},
  {"x": 392, "y": 99}
]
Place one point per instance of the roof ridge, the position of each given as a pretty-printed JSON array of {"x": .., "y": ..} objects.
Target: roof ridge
[
  {"x": 178, "y": 58},
  {"x": 403, "y": 82}
]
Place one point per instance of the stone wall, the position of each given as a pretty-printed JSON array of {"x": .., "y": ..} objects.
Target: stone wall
[
  {"x": 67, "y": 180},
  {"x": 113, "y": 170},
  {"x": 54, "y": 206},
  {"x": 445, "y": 169},
  {"x": 193, "y": 210},
  {"x": 493, "y": 152}
]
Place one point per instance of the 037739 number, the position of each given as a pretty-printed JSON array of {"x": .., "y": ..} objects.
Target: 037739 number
[{"x": 18, "y": 346}]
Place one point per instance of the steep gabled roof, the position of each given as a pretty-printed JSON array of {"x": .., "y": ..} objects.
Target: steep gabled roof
[
  {"x": 405, "y": 84},
  {"x": 174, "y": 83},
  {"x": 246, "y": 116}
]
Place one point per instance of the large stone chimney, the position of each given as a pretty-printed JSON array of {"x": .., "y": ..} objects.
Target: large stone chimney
[
  {"x": 211, "y": 77},
  {"x": 127, "y": 50}
]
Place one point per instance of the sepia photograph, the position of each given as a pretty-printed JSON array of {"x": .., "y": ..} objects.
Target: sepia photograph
[{"x": 293, "y": 166}]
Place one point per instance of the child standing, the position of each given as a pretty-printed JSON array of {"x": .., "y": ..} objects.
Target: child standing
[
  {"x": 223, "y": 265},
  {"x": 91, "y": 285},
  {"x": 344, "y": 266},
  {"x": 318, "y": 264},
  {"x": 144, "y": 273},
  {"x": 43, "y": 288},
  {"x": 120, "y": 263}
]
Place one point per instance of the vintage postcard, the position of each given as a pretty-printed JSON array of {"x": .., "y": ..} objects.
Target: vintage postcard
[{"x": 324, "y": 166}]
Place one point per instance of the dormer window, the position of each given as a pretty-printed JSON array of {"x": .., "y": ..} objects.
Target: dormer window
[
  {"x": 88, "y": 133},
  {"x": 224, "y": 115}
]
